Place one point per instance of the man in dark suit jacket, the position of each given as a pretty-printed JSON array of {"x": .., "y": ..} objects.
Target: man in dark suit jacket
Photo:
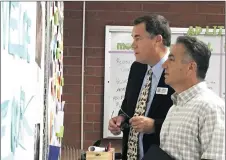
[{"x": 152, "y": 37}]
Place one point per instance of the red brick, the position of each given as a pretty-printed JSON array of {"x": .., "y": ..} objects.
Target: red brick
[
  {"x": 73, "y": 33},
  {"x": 69, "y": 98},
  {"x": 70, "y": 33},
  {"x": 94, "y": 98},
  {"x": 93, "y": 136},
  {"x": 74, "y": 5},
  {"x": 68, "y": 79},
  {"x": 99, "y": 108},
  {"x": 99, "y": 71},
  {"x": 88, "y": 126},
  {"x": 94, "y": 61},
  {"x": 111, "y": 15},
  {"x": 215, "y": 19},
  {"x": 95, "y": 33},
  {"x": 72, "y": 70},
  {"x": 90, "y": 80},
  {"x": 98, "y": 126},
  {"x": 65, "y": 50},
  {"x": 71, "y": 89},
  {"x": 191, "y": 19},
  {"x": 72, "y": 117},
  {"x": 155, "y": 6},
  {"x": 99, "y": 89},
  {"x": 93, "y": 117},
  {"x": 71, "y": 51},
  {"x": 73, "y": 14},
  {"x": 89, "y": 108},
  {"x": 95, "y": 52},
  {"x": 73, "y": 25},
  {"x": 73, "y": 128},
  {"x": 182, "y": 7},
  {"x": 182, "y": 24},
  {"x": 90, "y": 71},
  {"x": 205, "y": 3},
  {"x": 214, "y": 9},
  {"x": 96, "y": 71},
  {"x": 75, "y": 135},
  {"x": 72, "y": 108},
  {"x": 64, "y": 71},
  {"x": 89, "y": 89},
  {"x": 72, "y": 139},
  {"x": 211, "y": 24},
  {"x": 72, "y": 61},
  {"x": 119, "y": 6},
  {"x": 170, "y": 7}
]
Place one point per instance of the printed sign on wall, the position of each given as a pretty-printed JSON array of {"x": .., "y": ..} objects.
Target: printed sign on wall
[{"x": 18, "y": 80}]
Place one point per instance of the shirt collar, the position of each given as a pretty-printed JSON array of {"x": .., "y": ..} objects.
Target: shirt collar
[
  {"x": 189, "y": 93},
  {"x": 157, "y": 68}
]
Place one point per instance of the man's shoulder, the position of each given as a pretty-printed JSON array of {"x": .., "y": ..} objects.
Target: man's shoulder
[
  {"x": 138, "y": 70},
  {"x": 138, "y": 66},
  {"x": 210, "y": 101}
]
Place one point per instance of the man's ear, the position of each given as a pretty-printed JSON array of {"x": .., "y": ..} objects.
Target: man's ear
[
  {"x": 159, "y": 39},
  {"x": 193, "y": 66}
]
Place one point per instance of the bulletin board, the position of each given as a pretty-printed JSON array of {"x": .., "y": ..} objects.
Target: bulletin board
[
  {"x": 53, "y": 81},
  {"x": 119, "y": 56},
  {"x": 31, "y": 79}
]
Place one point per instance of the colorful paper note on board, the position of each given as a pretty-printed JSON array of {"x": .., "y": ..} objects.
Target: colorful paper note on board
[
  {"x": 58, "y": 93},
  {"x": 61, "y": 134},
  {"x": 52, "y": 88},
  {"x": 61, "y": 45},
  {"x": 54, "y": 152},
  {"x": 62, "y": 81},
  {"x": 56, "y": 17},
  {"x": 57, "y": 54}
]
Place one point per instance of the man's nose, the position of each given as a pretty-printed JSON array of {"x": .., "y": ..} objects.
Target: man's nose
[
  {"x": 164, "y": 65},
  {"x": 133, "y": 45}
]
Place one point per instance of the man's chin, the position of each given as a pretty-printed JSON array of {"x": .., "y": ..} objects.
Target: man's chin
[
  {"x": 141, "y": 61},
  {"x": 167, "y": 82}
]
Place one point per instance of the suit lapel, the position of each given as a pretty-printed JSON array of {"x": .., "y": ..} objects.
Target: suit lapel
[
  {"x": 138, "y": 81},
  {"x": 156, "y": 99}
]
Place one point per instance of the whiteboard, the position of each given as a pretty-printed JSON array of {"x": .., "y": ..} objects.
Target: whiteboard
[{"x": 119, "y": 56}]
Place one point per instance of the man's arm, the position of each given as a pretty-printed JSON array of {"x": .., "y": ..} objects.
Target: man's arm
[
  {"x": 158, "y": 125},
  {"x": 158, "y": 122},
  {"x": 212, "y": 134}
]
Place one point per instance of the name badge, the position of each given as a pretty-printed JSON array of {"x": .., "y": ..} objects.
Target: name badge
[{"x": 161, "y": 90}]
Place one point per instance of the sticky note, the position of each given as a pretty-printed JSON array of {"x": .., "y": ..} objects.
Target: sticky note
[
  {"x": 61, "y": 134},
  {"x": 57, "y": 53},
  {"x": 62, "y": 81},
  {"x": 54, "y": 152},
  {"x": 61, "y": 45},
  {"x": 56, "y": 18}
]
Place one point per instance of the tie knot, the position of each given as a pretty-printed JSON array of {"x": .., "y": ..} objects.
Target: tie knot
[{"x": 149, "y": 71}]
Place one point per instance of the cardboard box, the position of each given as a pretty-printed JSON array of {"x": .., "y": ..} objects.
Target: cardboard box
[{"x": 90, "y": 155}]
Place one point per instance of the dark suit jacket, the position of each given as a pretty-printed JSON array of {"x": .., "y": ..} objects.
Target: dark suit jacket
[
  {"x": 156, "y": 153},
  {"x": 159, "y": 107}
]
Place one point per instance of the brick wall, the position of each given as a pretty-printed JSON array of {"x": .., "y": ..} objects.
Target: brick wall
[{"x": 99, "y": 14}]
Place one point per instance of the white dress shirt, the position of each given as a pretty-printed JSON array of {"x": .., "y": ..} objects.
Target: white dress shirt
[{"x": 157, "y": 72}]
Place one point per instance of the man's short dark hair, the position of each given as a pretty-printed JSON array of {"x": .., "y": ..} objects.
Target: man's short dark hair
[
  {"x": 156, "y": 25},
  {"x": 198, "y": 51}
]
